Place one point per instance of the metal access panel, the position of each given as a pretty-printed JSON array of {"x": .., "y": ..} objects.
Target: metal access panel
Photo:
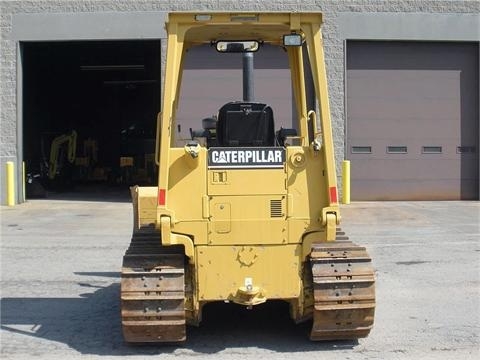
[{"x": 412, "y": 120}]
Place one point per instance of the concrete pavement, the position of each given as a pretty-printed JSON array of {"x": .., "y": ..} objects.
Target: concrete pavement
[{"x": 60, "y": 263}]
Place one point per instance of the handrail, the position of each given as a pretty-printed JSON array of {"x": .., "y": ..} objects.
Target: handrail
[
  {"x": 157, "y": 139},
  {"x": 313, "y": 116}
]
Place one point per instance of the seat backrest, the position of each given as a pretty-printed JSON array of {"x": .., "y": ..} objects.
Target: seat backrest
[{"x": 245, "y": 124}]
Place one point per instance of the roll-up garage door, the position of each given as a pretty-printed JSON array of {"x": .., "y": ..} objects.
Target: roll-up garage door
[{"x": 412, "y": 120}]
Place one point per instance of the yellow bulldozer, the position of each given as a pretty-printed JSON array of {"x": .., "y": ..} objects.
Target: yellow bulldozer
[{"x": 249, "y": 214}]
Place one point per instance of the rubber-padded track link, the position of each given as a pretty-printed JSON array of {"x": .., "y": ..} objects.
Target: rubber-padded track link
[
  {"x": 343, "y": 289},
  {"x": 152, "y": 291}
]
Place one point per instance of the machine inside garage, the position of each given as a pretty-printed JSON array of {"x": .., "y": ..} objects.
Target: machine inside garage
[
  {"x": 412, "y": 120},
  {"x": 89, "y": 112}
]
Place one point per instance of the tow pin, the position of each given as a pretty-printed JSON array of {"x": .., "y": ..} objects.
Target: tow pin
[{"x": 249, "y": 283}]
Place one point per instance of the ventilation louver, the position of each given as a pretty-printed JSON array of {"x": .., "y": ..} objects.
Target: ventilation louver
[{"x": 276, "y": 210}]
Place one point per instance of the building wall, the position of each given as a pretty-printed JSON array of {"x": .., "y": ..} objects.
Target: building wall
[{"x": 134, "y": 19}]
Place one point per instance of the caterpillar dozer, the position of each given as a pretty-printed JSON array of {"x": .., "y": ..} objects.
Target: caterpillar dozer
[{"x": 245, "y": 212}]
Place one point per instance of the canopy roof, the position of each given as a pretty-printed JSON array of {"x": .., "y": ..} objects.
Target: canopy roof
[{"x": 204, "y": 27}]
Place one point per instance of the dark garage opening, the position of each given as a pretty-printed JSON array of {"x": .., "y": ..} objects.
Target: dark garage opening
[{"x": 108, "y": 93}]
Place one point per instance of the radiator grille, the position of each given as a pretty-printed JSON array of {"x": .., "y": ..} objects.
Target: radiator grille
[{"x": 276, "y": 210}]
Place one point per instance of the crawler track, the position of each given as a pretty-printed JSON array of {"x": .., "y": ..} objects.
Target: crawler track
[
  {"x": 152, "y": 291},
  {"x": 343, "y": 289}
]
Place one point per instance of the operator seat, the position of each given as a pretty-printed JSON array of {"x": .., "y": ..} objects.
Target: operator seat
[{"x": 245, "y": 124}]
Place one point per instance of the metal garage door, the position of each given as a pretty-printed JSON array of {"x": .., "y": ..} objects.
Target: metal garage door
[{"x": 412, "y": 120}]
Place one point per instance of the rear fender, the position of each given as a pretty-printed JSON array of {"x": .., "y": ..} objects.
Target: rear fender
[
  {"x": 144, "y": 200},
  {"x": 169, "y": 238}
]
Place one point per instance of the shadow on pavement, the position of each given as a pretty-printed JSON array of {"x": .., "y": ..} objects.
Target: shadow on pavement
[
  {"x": 93, "y": 192},
  {"x": 90, "y": 324}
]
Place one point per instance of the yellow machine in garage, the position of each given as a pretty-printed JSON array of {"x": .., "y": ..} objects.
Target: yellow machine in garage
[{"x": 245, "y": 212}]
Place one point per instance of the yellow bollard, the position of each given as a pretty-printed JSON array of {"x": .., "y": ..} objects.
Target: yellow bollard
[
  {"x": 24, "y": 182},
  {"x": 346, "y": 181},
  {"x": 10, "y": 183}
]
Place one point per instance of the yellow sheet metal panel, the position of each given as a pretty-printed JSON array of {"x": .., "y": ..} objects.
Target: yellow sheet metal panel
[
  {"x": 222, "y": 270},
  {"x": 306, "y": 182},
  {"x": 258, "y": 219},
  {"x": 246, "y": 182},
  {"x": 186, "y": 184}
]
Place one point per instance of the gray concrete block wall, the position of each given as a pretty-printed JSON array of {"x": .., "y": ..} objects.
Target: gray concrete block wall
[
  {"x": 8, "y": 112},
  {"x": 333, "y": 43}
]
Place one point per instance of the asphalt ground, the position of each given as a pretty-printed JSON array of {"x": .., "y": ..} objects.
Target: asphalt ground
[{"x": 61, "y": 257}]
